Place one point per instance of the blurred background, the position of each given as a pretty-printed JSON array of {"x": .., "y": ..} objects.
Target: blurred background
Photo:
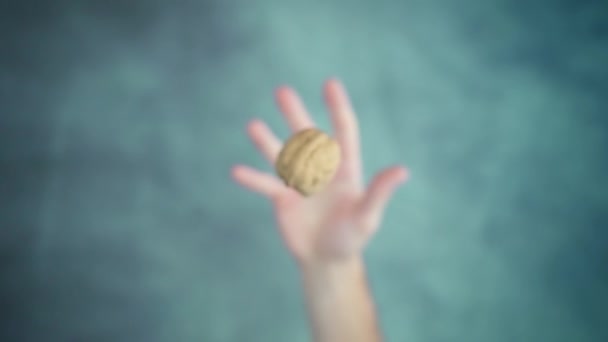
[{"x": 120, "y": 120}]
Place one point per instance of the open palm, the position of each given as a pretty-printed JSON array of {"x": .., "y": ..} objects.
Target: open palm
[{"x": 337, "y": 222}]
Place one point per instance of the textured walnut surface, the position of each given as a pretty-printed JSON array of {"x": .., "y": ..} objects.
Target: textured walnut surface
[{"x": 308, "y": 161}]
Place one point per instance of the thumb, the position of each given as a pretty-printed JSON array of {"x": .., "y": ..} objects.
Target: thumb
[{"x": 378, "y": 194}]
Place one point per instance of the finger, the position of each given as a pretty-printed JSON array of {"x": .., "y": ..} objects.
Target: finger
[
  {"x": 264, "y": 139},
  {"x": 346, "y": 127},
  {"x": 293, "y": 109},
  {"x": 257, "y": 181},
  {"x": 378, "y": 195}
]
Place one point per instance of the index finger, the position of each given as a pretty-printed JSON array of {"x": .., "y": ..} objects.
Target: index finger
[{"x": 346, "y": 126}]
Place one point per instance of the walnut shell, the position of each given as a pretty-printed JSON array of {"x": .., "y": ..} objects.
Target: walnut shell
[{"x": 308, "y": 161}]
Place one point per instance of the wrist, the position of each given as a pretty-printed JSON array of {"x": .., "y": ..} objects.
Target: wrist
[
  {"x": 338, "y": 300},
  {"x": 332, "y": 273}
]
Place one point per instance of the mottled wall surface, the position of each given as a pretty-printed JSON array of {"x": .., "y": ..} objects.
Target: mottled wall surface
[{"x": 119, "y": 121}]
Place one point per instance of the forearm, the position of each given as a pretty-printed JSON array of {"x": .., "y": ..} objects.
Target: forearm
[{"x": 339, "y": 302}]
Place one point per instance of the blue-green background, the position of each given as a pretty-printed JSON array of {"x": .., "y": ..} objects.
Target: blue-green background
[{"x": 120, "y": 120}]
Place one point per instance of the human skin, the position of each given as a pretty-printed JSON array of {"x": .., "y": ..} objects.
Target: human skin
[{"x": 327, "y": 233}]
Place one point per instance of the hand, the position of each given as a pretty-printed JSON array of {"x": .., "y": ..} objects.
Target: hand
[{"x": 337, "y": 223}]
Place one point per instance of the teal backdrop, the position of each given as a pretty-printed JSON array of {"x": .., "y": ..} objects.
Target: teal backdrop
[{"x": 120, "y": 120}]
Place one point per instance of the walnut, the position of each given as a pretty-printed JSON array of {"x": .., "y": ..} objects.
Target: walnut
[{"x": 308, "y": 161}]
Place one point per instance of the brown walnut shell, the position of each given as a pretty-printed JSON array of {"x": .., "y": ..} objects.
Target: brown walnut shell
[{"x": 308, "y": 161}]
